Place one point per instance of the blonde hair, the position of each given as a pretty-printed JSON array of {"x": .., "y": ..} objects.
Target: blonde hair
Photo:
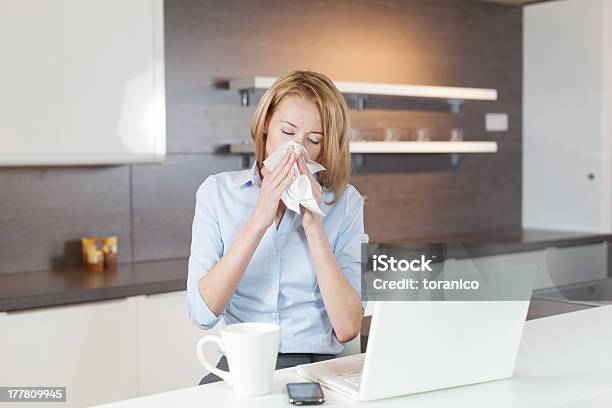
[{"x": 335, "y": 155}]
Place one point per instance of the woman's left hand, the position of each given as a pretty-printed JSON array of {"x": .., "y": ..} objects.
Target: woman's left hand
[{"x": 310, "y": 219}]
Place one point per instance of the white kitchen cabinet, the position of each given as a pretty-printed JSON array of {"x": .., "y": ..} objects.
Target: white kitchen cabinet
[
  {"x": 575, "y": 264},
  {"x": 88, "y": 348},
  {"x": 567, "y": 115},
  {"x": 104, "y": 351},
  {"x": 82, "y": 82},
  {"x": 166, "y": 344}
]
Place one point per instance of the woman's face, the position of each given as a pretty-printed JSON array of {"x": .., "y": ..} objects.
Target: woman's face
[{"x": 296, "y": 119}]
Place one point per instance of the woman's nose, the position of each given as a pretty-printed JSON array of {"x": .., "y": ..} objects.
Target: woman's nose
[{"x": 299, "y": 139}]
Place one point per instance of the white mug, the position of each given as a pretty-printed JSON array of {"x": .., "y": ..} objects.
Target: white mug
[{"x": 251, "y": 350}]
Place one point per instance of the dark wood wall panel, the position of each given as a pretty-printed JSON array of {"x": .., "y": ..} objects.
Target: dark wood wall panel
[
  {"x": 438, "y": 42},
  {"x": 164, "y": 202},
  {"x": 44, "y": 212},
  {"x": 417, "y": 204}
]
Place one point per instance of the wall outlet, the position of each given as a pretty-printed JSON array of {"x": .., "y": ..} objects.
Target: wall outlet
[{"x": 496, "y": 122}]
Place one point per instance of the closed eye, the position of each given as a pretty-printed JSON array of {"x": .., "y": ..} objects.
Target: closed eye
[
  {"x": 314, "y": 141},
  {"x": 288, "y": 133}
]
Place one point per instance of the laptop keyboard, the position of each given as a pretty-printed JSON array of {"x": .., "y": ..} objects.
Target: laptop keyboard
[{"x": 351, "y": 377}]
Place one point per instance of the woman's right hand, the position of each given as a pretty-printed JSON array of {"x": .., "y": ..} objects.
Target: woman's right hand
[{"x": 272, "y": 187}]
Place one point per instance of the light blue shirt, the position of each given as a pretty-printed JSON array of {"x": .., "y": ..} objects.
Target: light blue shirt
[{"x": 279, "y": 284}]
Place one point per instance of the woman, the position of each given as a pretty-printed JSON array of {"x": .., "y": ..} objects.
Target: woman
[{"x": 253, "y": 260}]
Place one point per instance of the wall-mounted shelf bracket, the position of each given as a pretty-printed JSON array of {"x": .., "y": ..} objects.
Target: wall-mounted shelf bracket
[
  {"x": 245, "y": 97},
  {"x": 361, "y": 102},
  {"x": 455, "y": 105}
]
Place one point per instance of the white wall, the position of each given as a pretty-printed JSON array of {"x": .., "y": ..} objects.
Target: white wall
[{"x": 566, "y": 115}]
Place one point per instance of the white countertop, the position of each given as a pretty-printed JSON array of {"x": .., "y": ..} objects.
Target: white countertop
[{"x": 564, "y": 361}]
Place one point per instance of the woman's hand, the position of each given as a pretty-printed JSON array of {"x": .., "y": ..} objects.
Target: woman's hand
[
  {"x": 272, "y": 187},
  {"x": 310, "y": 219}
]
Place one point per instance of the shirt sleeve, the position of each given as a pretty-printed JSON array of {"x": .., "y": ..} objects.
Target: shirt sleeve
[
  {"x": 347, "y": 247},
  {"x": 206, "y": 250}
]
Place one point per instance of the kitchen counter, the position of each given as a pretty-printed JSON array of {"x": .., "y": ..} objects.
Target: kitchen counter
[
  {"x": 560, "y": 363},
  {"x": 27, "y": 290},
  {"x": 524, "y": 240},
  {"x": 499, "y": 243}
]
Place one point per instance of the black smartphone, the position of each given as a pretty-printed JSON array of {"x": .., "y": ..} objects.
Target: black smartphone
[{"x": 305, "y": 393}]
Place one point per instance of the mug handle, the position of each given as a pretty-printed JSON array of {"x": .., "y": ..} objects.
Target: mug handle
[{"x": 225, "y": 375}]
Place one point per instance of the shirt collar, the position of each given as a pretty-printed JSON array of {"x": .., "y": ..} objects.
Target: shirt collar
[{"x": 249, "y": 175}]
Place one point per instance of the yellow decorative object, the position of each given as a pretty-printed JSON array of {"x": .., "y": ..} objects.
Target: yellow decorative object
[
  {"x": 94, "y": 256},
  {"x": 88, "y": 244},
  {"x": 109, "y": 245},
  {"x": 95, "y": 260}
]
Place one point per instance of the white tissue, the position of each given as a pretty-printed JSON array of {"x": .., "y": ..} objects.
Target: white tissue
[{"x": 300, "y": 190}]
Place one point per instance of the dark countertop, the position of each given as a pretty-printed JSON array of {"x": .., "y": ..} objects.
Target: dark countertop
[
  {"x": 27, "y": 290},
  {"x": 528, "y": 239},
  {"x": 501, "y": 242}
]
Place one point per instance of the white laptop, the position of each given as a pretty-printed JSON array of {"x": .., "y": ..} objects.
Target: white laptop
[{"x": 418, "y": 346}]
